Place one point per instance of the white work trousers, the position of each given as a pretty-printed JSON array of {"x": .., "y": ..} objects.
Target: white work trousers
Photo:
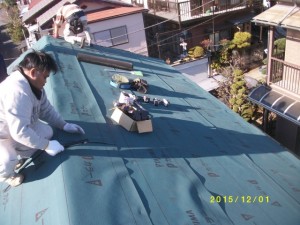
[
  {"x": 70, "y": 37},
  {"x": 10, "y": 150}
]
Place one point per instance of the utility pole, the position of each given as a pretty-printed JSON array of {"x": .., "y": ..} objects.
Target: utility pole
[
  {"x": 213, "y": 25},
  {"x": 158, "y": 45}
]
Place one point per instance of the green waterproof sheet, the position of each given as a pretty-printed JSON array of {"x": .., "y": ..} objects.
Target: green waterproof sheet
[{"x": 202, "y": 164}]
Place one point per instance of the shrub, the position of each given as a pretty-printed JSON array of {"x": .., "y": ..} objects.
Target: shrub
[
  {"x": 240, "y": 40},
  {"x": 238, "y": 99},
  {"x": 14, "y": 25},
  {"x": 196, "y": 52},
  {"x": 280, "y": 44}
]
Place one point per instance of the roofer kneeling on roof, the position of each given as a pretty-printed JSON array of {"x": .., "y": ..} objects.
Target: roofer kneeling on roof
[
  {"x": 23, "y": 104},
  {"x": 75, "y": 23}
]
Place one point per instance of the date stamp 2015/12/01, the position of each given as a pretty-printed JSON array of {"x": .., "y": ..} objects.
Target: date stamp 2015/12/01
[{"x": 239, "y": 199}]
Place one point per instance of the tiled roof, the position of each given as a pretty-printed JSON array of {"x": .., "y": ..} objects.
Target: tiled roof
[
  {"x": 287, "y": 16},
  {"x": 49, "y": 14},
  {"x": 33, "y": 3},
  {"x": 112, "y": 13},
  {"x": 36, "y": 9},
  {"x": 94, "y": 16}
]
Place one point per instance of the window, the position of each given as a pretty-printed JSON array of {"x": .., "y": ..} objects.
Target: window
[{"x": 112, "y": 37}]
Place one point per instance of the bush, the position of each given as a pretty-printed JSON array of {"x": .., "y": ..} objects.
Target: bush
[
  {"x": 240, "y": 40},
  {"x": 280, "y": 44},
  {"x": 238, "y": 99},
  {"x": 14, "y": 25},
  {"x": 196, "y": 52}
]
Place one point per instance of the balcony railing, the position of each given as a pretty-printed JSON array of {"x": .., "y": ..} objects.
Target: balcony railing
[
  {"x": 285, "y": 75},
  {"x": 192, "y": 9}
]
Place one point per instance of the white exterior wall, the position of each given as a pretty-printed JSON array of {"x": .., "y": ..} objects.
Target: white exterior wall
[
  {"x": 292, "y": 43},
  {"x": 135, "y": 29}
]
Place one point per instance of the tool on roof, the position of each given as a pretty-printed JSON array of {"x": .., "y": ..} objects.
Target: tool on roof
[
  {"x": 122, "y": 82},
  {"x": 38, "y": 154},
  {"x": 104, "y": 61}
]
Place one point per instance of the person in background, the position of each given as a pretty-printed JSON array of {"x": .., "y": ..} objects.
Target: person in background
[
  {"x": 23, "y": 107},
  {"x": 183, "y": 44},
  {"x": 75, "y": 23}
]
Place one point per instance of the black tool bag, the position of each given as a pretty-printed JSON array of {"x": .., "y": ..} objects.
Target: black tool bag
[
  {"x": 140, "y": 85},
  {"x": 76, "y": 25},
  {"x": 139, "y": 113},
  {"x": 134, "y": 111}
]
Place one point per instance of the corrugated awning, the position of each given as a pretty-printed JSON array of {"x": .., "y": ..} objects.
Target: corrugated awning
[
  {"x": 276, "y": 102},
  {"x": 280, "y": 15}
]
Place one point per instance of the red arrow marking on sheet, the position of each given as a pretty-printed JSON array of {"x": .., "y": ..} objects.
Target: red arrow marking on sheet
[
  {"x": 95, "y": 182},
  {"x": 39, "y": 214},
  {"x": 247, "y": 217}
]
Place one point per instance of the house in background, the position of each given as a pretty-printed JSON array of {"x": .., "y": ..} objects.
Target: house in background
[
  {"x": 194, "y": 21},
  {"x": 121, "y": 28},
  {"x": 112, "y": 23},
  {"x": 281, "y": 95}
]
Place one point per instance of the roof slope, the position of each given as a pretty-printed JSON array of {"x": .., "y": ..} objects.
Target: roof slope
[
  {"x": 113, "y": 13},
  {"x": 287, "y": 16},
  {"x": 198, "y": 150},
  {"x": 36, "y": 8}
]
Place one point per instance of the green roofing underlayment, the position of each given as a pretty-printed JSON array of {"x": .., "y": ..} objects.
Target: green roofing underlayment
[{"x": 202, "y": 164}]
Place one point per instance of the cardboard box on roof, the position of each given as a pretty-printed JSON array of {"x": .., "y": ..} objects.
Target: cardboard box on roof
[{"x": 129, "y": 124}]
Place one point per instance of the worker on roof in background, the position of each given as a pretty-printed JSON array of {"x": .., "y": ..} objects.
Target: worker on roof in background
[
  {"x": 23, "y": 104},
  {"x": 75, "y": 23}
]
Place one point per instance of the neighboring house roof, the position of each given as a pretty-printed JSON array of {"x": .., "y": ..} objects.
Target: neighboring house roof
[
  {"x": 282, "y": 15},
  {"x": 49, "y": 14},
  {"x": 37, "y": 9},
  {"x": 94, "y": 16},
  {"x": 33, "y": 3},
  {"x": 118, "y": 2},
  {"x": 202, "y": 164},
  {"x": 113, "y": 13}
]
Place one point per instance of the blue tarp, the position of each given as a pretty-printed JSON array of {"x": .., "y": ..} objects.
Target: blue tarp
[{"x": 202, "y": 164}]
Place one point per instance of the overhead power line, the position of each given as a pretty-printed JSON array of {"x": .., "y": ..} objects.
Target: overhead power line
[
  {"x": 157, "y": 24},
  {"x": 204, "y": 22}
]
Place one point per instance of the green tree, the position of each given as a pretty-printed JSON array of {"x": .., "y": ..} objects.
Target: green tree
[
  {"x": 7, "y": 5},
  {"x": 233, "y": 92},
  {"x": 279, "y": 45},
  {"x": 240, "y": 40},
  {"x": 196, "y": 52},
  {"x": 14, "y": 25},
  {"x": 238, "y": 96},
  {"x": 224, "y": 55}
]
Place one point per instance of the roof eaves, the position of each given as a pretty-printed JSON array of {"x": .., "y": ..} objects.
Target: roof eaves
[
  {"x": 117, "y": 15},
  {"x": 49, "y": 14},
  {"x": 280, "y": 15},
  {"x": 36, "y": 9},
  {"x": 117, "y": 2}
]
